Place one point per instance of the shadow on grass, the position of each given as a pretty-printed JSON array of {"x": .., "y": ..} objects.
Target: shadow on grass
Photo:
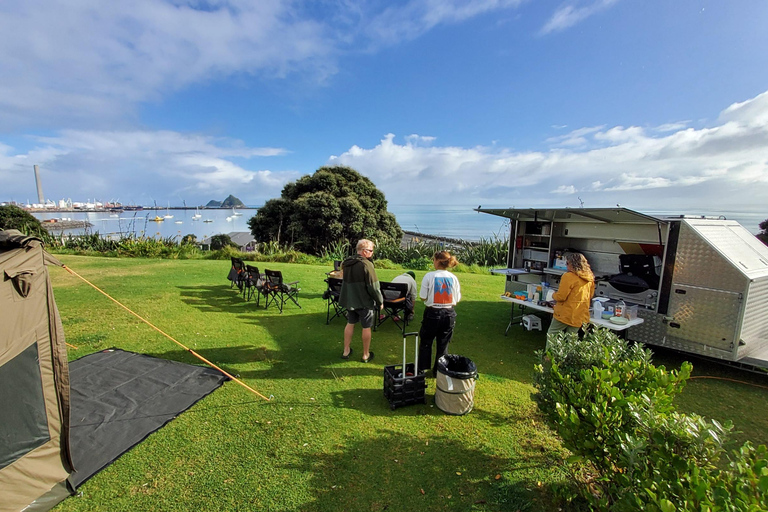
[
  {"x": 229, "y": 300},
  {"x": 399, "y": 471},
  {"x": 310, "y": 349},
  {"x": 370, "y": 401}
]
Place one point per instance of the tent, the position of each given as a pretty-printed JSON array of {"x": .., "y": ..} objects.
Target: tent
[
  {"x": 116, "y": 398},
  {"x": 34, "y": 378}
]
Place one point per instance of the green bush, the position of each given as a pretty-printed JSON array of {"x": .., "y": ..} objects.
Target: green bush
[
  {"x": 221, "y": 241},
  {"x": 13, "y": 217},
  {"x": 614, "y": 410}
]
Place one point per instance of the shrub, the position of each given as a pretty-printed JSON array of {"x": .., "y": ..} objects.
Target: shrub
[
  {"x": 221, "y": 241},
  {"x": 614, "y": 409},
  {"x": 13, "y": 217}
]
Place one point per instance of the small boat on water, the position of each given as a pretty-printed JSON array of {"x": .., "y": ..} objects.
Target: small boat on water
[
  {"x": 234, "y": 213},
  {"x": 179, "y": 222},
  {"x": 168, "y": 213},
  {"x": 157, "y": 219},
  {"x": 207, "y": 220},
  {"x": 197, "y": 214}
]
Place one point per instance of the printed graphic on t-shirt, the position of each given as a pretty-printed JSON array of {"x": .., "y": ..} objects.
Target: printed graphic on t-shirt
[{"x": 443, "y": 291}]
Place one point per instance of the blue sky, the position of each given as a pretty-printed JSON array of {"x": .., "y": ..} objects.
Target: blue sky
[{"x": 650, "y": 104}]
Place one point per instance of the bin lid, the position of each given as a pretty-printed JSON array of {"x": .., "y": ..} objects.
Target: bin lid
[{"x": 457, "y": 367}]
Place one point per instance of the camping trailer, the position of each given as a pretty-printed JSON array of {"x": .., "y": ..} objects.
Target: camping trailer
[{"x": 699, "y": 283}]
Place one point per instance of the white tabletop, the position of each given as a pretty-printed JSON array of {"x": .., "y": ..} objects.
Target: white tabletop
[{"x": 601, "y": 322}]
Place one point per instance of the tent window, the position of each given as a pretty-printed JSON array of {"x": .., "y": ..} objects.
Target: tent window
[{"x": 24, "y": 424}]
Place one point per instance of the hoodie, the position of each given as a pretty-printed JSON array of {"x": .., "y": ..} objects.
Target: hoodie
[
  {"x": 360, "y": 287},
  {"x": 573, "y": 298}
]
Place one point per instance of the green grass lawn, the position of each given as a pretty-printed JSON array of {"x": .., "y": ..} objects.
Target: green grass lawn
[{"x": 328, "y": 440}]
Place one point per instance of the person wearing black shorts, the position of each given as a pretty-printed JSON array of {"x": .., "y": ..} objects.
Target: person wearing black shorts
[{"x": 361, "y": 296}]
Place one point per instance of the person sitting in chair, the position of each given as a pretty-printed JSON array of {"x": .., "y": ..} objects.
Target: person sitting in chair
[{"x": 408, "y": 278}]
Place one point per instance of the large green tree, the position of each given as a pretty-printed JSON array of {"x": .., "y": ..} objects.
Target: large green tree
[
  {"x": 13, "y": 217},
  {"x": 335, "y": 204}
]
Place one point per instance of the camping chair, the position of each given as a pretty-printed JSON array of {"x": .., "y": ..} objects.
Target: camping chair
[
  {"x": 253, "y": 284},
  {"x": 332, "y": 295},
  {"x": 395, "y": 295},
  {"x": 279, "y": 292},
  {"x": 236, "y": 273}
]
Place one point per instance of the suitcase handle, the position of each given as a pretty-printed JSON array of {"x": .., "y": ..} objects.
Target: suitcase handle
[{"x": 416, "y": 355}]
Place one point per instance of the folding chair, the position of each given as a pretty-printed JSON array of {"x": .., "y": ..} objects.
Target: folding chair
[
  {"x": 236, "y": 273},
  {"x": 253, "y": 284},
  {"x": 332, "y": 295},
  {"x": 395, "y": 295},
  {"x": 279, "y": 292}
]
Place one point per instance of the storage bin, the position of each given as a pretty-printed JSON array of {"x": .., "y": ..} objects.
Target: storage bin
[{"x": 455, "y": 384}]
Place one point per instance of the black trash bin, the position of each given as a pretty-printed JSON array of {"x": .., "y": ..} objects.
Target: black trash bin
[{"x": 455, "y": 384}]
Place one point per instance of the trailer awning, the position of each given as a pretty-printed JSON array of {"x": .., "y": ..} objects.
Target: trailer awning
[{"x": 606, "y": 215}]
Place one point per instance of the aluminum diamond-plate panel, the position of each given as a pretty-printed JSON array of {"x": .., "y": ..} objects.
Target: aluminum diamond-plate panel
[
  {"x": 754, "y": 330},
  {"x": 656, "y": 331},
  {"x": 653, "y": 329},
  {"x": 711, "y": 317},
  {"x": 698, "y": 264}
]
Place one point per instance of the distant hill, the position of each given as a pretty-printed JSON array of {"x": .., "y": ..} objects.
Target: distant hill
[{"x": 230, "y": 202}]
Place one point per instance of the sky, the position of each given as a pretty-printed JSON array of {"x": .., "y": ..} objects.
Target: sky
[{"x": 651, "y": 104}]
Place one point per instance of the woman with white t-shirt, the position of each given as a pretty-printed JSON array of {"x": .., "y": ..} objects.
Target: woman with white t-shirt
[{"x": 440, "y": 292}]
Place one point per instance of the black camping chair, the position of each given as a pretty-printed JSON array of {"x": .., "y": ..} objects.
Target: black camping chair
[
  {"x": 395, "y": 297},
  {"x": 253, "y": 284},
  {"x": 236, "y": 273},
  {"x": 331, "y": 296},
  {"x": 278, "y": 291}
]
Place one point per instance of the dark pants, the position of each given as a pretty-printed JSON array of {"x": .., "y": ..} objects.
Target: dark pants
[{"x": 437, "y": 324}]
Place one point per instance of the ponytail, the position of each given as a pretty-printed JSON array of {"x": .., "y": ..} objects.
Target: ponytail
[{"x": 444, "y": 260}]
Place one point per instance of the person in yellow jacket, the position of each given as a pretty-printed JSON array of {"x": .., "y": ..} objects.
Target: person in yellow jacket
[{"x": 573, "y": 297}]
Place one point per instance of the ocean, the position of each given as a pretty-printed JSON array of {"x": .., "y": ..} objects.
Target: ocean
[{"x": 460, "y": 222}]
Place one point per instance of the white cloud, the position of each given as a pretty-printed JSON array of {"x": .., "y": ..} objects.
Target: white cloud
[
  {"x": 407, "y": 22},
  {"x": 565, "y": 190},
  {"x": 140, "y": 165},
  {"x": 724, "y": 165},
  {"x": 91, "y": 62},
  {"x": 570, "y": 14}
]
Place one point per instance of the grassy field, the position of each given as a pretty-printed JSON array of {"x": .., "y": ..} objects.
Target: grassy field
[{"x": 328, "y": 440}]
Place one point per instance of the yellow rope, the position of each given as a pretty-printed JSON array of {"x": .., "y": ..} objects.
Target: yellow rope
[
  {"x": 246, "y": 386},
  {"x": 729, "y": 380}
]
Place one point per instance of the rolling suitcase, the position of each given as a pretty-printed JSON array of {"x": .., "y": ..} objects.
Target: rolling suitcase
[{"x": 404, "y": 384}]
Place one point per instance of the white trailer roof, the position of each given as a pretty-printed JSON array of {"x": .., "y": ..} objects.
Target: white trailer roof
[{"x": 608, "y": 215}]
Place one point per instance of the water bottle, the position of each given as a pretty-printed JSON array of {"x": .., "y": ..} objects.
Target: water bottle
[{"x": 618, "y": 310}]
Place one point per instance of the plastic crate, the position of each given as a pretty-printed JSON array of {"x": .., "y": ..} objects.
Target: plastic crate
[{"x": 402, "y": 390}]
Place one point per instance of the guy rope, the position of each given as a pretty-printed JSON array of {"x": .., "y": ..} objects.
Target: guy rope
[{"x": 246, "y": 386}]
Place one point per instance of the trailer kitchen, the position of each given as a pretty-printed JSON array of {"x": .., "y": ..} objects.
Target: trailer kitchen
[{"x": 698, "y": 284}]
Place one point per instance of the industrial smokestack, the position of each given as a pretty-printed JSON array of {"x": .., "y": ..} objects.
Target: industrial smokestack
[{"x": 40, "y": 198}]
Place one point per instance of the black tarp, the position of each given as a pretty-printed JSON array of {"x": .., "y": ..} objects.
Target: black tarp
[{"x": 119, "y": 398}]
